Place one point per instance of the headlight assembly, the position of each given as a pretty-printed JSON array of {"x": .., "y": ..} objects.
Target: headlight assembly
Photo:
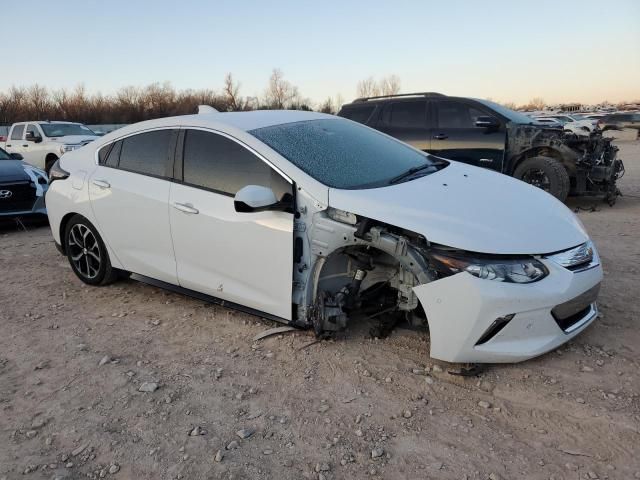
[{"x": 519, "y": 270}]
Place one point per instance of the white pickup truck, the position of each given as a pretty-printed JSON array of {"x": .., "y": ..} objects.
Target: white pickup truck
[{"x": 42, "y": 143}]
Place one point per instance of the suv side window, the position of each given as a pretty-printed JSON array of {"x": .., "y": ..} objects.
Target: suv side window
[
  {"x": 408, "y": 115},
  {"x": 358, "y": 114},
  {"x": 17, "y": 132},
  {"x": 146, "y": 153},
  {"x": 217, "y": 163},
  {"x": 452, "y": 114}
]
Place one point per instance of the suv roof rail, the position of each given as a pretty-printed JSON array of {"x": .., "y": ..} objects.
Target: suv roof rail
[{"x": 418, "y": 94}]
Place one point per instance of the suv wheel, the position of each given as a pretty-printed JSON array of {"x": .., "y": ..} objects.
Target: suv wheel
[
  {"x": 545, "y": 173},
  {"x": 87, "y": 253}
]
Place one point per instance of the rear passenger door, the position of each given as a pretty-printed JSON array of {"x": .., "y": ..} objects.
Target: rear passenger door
[
  {"x": 129, "y": 193},
  {"x": 455, "y": 135},
  {"x": 407, "y": 120},
  {"x": 245, "y": 258},
  {"x": 15, "y": 140}
]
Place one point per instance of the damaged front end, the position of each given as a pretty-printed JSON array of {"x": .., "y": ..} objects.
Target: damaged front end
[
  {"x": 590, "y": 160},
  {"x": 357, "y": 266},
  {"x": 597, "y": 166},
  {"x": 476, "y": 306}
]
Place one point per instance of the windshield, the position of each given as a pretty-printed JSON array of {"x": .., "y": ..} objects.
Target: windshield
[
  {"x": 512, "y": 115},
  {"x": 343, "y": 154},
  {"x": 4, "y": 155},
  {"x": 64, "y": 129}
]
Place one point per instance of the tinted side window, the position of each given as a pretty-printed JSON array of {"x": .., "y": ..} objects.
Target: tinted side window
[
  {"x": 408, "y": 115},
  {"x": 147, "y": 153},
  {"x": 457, "y": 115},
  {"x": 114, "y": 155},
  {"x": 16, "y": 134},
  {"x": 218, "y": 163},
  {"x": 358, "y": 114}
]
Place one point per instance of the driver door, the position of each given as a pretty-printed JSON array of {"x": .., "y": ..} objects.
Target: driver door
[{"x": 244, "y": 258}]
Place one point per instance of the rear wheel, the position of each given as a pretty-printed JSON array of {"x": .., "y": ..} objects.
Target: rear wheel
[
  {"x": 87, "y": 253},
  {"x": 546, "y": 173}
]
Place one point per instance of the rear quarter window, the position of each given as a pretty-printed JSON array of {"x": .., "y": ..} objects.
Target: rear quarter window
[{"x": 358, "y": 114}]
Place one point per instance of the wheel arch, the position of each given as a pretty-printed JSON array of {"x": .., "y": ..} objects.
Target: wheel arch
[{"x": 544, "y": 151}]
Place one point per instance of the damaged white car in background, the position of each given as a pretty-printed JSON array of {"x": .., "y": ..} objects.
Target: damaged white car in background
[{"x": 315, "y": 220}]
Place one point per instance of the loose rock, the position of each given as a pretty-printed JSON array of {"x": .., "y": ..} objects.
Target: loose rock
[
  {"x": 148, "y": 387},
  {"x": 377, "y": 452},
  {"x": 245, "y": 432}
]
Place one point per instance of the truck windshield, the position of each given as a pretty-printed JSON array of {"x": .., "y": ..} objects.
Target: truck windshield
[
  {"x": 64, "y": 129},
  {"x": 344, "y": 154}
]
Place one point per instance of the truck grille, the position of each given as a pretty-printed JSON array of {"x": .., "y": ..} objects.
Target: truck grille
[{"x": 22, "y": 197}]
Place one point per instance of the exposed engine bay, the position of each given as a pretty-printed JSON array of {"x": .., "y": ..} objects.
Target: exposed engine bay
[{"x": 356, "y": 265}]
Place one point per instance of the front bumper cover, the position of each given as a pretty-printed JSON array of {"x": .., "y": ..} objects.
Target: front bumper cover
[{"x": 461, "y": 308}]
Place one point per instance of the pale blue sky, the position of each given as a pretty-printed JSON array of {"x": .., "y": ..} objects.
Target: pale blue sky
[{"x": 570, "y": 50}]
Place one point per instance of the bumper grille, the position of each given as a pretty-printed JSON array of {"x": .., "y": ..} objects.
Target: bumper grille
[
  {"x": 569, "y": 315},
  {"x": 23, "y": 196}
]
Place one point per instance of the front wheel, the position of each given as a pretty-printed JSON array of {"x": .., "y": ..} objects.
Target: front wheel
[
  {"x": 87, "y": 253},
  {"x": 546, "y": 173}
]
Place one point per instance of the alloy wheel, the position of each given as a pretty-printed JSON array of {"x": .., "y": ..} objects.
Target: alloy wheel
[{"x": 84, "y": 251}]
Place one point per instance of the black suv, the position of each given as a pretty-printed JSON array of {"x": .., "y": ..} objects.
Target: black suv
[{"x": 486, "y": 134}]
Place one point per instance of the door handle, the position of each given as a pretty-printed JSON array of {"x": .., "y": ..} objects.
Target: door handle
[
  {"x": 102, "y": 183},
  {"x": 441, "y": 136},
  {"x": 25, "y": 145},
  {"x": 186, "y": 208}
]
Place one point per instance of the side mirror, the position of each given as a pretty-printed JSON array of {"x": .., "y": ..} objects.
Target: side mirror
[
  {"x": 16, "y": 156},
  {"x": 256, "y": 198},
  {"x": 487, "y": 122},
  {"x": 30, "y": 137}
]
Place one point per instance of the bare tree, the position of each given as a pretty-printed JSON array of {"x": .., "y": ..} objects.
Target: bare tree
[
  {"x": 280, "y": 93},
  {"x": 231, "y": 93},
  {"x": 327, "y": 106},
  {"x": 537, "y": 103},
  {"x": 390, "y": 85},
  {"x": 368, "y": 88}
]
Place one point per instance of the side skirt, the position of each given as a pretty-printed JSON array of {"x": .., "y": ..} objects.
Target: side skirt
[{"x": 208, "y": 298}]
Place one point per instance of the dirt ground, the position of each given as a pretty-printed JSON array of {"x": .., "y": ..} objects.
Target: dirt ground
[{"x": 73, "y": 359}]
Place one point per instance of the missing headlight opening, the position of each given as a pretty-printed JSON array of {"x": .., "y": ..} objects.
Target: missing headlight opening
[{"x": 351, "y": 266}]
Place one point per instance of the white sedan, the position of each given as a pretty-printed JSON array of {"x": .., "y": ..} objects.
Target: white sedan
[{"x": 312, "y": 220}]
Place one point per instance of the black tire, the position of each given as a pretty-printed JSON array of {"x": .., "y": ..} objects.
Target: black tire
[
  {"x": 546, "y": 173},
  {"x": 87, "y": 253}
]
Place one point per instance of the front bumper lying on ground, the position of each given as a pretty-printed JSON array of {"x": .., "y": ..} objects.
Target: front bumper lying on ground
[{"x": 530, "y": 319}]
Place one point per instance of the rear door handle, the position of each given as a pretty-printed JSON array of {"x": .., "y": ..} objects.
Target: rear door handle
[
  {"x": 441, "y": 136},
  {"x": 25, "y": 145},
  {"x": 102, "y": 183},
  {"x": 186, "y": 208}
]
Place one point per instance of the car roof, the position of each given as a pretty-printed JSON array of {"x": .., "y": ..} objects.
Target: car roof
[
  {"x": 47, "y": 122},
  {"x": 243, "y": 121}
]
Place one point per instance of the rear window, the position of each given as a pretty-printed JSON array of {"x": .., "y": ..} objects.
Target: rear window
[
  {"x": 342, "y": 154},
  {"x": 146, "y": 153},
  {"x": 358, "y": 114}
]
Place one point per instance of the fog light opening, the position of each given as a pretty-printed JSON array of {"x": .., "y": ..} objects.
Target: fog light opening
[{"x": 497, "y": 325}]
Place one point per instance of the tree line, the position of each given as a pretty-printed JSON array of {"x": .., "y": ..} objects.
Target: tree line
[{"x": 135, "y": 104}]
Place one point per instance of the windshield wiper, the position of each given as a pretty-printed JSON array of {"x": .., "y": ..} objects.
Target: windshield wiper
[{"x": 435, "y": 164}]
